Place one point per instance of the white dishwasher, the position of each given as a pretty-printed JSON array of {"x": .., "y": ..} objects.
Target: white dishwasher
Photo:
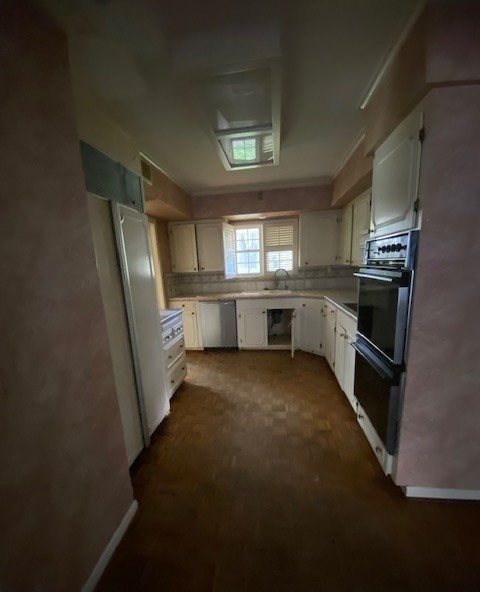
[{"x": 218, "y": 322}]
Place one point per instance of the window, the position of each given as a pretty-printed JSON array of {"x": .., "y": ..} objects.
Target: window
[
  {"x": 280, "y": 240},
  {"x": 244, "y": 150},
  {"x": 248, "y": 250},
  {"x": 264, "y": 247}
]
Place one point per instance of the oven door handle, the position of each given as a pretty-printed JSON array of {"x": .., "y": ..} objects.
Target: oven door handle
[
  {"x": 377, "y": 277},
  {"x": 375, "y": 366}
]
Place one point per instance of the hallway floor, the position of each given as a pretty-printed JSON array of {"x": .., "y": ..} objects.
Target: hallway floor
[{"x": 261, "y": 480}]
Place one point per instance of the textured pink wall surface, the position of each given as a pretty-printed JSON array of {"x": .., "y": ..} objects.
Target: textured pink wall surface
[
  {"x": 257, "y": 202},
  {"x": 64, "y": 481},
  {"x": 439, "y": 440},
  {"x": 453, "y": 49}
]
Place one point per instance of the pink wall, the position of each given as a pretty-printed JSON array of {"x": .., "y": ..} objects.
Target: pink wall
[
  {"x": 439, "y": 443},
  {"x": 64, "y": 477},
  {"x": 258, "y": 202}
]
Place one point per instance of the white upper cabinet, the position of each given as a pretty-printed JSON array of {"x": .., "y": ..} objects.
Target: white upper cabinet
[
  {"x": 210, "y": 246},
  {"x": 396, "y": 169},
  {"x": 347, "y": 222},
  {"x": 318, "y": 238},
  {"x": 200, "y": 246},
  {"x": 184, "y": 247},
  {"x": 361, "y": 226}
]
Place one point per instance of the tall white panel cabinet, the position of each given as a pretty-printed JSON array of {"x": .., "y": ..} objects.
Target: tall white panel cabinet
[
  {"x": 136, "y": 263},
  {"x": 319, "y": 235},
  {"x": 396, "y": 167}
]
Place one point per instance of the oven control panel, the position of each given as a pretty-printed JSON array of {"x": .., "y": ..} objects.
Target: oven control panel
[{"x": 396, "y": 250}]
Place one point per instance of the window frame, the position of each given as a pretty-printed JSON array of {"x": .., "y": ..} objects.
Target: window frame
[{"x": 252, "y": 224}]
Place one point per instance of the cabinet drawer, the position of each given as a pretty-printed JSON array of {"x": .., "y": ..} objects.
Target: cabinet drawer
[
  {"x": 172, "y": 334},
  {"x": 374, "y": 440},
  {"x": 176, "y": 374},
  {"x": 171, "y": 322},
  {"x": 174, "y": 350}
]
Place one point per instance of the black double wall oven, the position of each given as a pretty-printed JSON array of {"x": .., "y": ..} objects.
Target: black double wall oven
[{"x": 384, "y": 297}]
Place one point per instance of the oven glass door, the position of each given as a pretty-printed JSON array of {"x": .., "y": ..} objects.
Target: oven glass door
[
  {"x": 377, "y": 390},
  {"x": 383, "y": 311}
]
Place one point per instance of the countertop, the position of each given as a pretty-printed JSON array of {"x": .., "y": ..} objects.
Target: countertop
[
  {"x": 338, "y": 297},
  {"x": 167, "y": 313}
]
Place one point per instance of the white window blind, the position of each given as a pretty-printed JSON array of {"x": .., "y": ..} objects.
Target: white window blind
[
  {"x": 280, "y": 247},
  {"x": 229, "y": 251}
]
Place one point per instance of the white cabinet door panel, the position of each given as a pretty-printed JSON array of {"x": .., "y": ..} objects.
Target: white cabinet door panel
[
  {"x": 361, "y": 226},
  {"x": 184, "y": 248},
  {"x": 133, "y": 239},
  {"x": 311, "y": 325},
  {"x": 252, "y": 329},
  {"x": 190, "y": 323},
  {"x": 318, "y": 238},
  {"x": 395, "y": 178},
  {"x": 339, "y": 354},
  {"x": 347, "y": 221},
  {"x": 210, "y": 246}
]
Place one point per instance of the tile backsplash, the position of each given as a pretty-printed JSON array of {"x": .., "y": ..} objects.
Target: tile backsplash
[{"x": 191, "y": 284}]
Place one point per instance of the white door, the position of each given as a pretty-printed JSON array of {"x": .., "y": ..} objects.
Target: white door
[
  {"x": 312, "y": 326},
  {"x": 318, "y": 238},
  {"x": 349, "y": 368},
  {"x": 330, "y": 320},
  {"x": 210, "y": 246},
  {"x": 396, "y": 167},
  {"x": 117, "y": 324},
  {"x": 183, "y": 247},
  {"x": 190, "y": 327},
  {"x": 252, "y": 329},
  {"x": 133, "y": 240},
  {"x": 361, "y": 226},
  {"x": 347, "y": 220},
  {"x": 339, "y": 354}
]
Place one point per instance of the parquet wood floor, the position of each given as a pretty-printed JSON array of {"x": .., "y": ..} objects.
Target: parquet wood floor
[{"x": 261, "y": 480}]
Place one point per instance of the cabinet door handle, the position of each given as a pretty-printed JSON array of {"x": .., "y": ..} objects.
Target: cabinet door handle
[
  {"x": 172, "y": 382},
  {"x": 183, "y": 367},
  {"x": 378, "y": 449}
]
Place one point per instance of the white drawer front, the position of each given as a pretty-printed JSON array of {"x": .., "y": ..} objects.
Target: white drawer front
[
  {"x": 176, "y": 374},
  {"x": 174, "y": 351}
]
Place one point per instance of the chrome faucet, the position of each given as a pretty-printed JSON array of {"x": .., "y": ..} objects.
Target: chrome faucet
[{"x": 276, "y": 280}]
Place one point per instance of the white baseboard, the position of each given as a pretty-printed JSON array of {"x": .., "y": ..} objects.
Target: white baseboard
[
  {"x": 438, "y": 493},
  {"x": 105, "y": 557}
]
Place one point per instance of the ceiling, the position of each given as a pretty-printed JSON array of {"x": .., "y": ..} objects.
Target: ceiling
[{"x": 122, "y": 53}]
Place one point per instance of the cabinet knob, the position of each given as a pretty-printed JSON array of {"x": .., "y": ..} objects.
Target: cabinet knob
[
  {"x": 360, "y": 416},
  {"x": 183, "y": 367},
  {"x": 203, "y": 268},
  {"x": 378, "y": 449},
  {"x": 304, "y": 305},
  {"x": 306, "y": 262},
  {"x": 194, "y": 269},
  {"x": 193, "y": 313},
  {"x": 172, "y": 382}
]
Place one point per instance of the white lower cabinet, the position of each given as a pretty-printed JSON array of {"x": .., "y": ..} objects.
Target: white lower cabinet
[
  {"x": 330, "y": 318},
  {"x": 191, "y": 330},
  {"x": 346, "y": 328},
  {"x": 252, "y": 328},
  {"x": 311, "y": 325},
  {"x": 378, "y": 447}
]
